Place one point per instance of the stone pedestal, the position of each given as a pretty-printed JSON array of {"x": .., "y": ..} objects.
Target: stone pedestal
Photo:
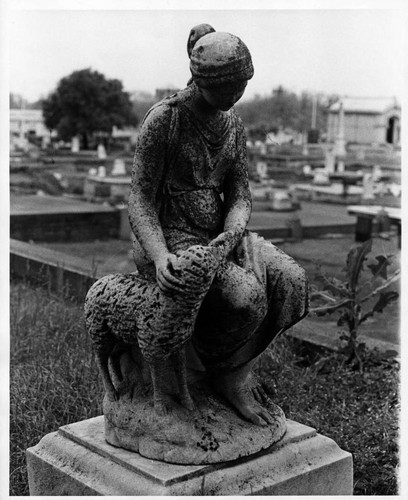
[{"x": 76, "y": 460}]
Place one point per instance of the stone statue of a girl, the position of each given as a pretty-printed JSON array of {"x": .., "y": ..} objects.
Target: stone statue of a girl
[{"x": 190, "y": 188}]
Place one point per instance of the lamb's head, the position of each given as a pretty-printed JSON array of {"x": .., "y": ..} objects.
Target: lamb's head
[{"x": 197, "y": 265}]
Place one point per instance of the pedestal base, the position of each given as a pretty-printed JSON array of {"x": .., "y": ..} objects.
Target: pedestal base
[{"x": 76, "y": 460}]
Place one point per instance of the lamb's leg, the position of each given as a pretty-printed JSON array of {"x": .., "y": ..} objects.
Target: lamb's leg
[
  {"x": 159, "y": 374},
  {"x": 178, "y": 361},
  {"x": 102, "y": 358}
]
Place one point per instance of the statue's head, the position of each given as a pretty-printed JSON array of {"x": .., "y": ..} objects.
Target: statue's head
[{"x": 220, "y": 65}]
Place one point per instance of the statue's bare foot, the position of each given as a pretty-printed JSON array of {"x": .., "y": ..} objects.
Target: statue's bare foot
[
  {"x": 244, "y": 395},
  {"x": 255, "y": 385}
]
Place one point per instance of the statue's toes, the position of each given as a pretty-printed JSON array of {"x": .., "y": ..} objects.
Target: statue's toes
[
  {"x": 253, "y": 415},
  {"x": 265, "y": 415},
  {"x": 260, "y": 395}
]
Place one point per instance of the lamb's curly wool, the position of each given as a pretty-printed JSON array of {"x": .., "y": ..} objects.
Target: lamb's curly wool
[{"x": 130, "y": 309}]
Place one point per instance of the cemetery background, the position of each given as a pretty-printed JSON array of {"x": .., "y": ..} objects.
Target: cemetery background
[
  {"x": 58, "y": 360},
  {"x": 360, "y": 411}
]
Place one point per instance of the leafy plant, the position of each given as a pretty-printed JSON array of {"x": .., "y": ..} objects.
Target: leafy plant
[{"x": 358, "y": 297}]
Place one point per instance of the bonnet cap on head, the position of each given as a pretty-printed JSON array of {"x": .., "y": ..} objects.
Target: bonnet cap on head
[{"x": 218, "y": 58}]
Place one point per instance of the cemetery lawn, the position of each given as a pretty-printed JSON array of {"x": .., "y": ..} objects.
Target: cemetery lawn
[{"x": 54, "y": 382}]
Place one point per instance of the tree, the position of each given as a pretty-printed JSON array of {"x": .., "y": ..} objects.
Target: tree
[
  {"x": 283, "y": 109},
  {"x": 86, "y": 103}
]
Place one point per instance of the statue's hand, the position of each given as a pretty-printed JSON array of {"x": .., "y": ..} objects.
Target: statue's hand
[
  {"x": 166, "y": 274},
  {"x": 225, "y": 241}
]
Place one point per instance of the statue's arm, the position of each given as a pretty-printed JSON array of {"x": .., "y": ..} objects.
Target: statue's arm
[
  {"x": 237, "y": 198},
  {"x": 147, "y": 176}
]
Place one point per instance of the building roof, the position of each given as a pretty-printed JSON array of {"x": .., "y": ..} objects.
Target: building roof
[
  {"x": 26, "y": 114},
  {"x": 376, "y": 105}
]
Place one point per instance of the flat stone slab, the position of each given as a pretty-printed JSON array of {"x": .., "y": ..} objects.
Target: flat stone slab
[
  {"x": 76, "y": 460},
  {"x": 47, "y": 204}
]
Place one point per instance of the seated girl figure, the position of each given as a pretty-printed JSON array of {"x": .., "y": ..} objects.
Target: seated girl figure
[{"x": 190, "y": 186}]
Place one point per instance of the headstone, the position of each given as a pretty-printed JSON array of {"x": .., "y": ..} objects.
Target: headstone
[
  {"x": 118, "y": 167},
  {"x": 340, "y": 166},
  {"x": 93, "y": 171},
  {"x": 395, "y": 189},
  {"x": 75, "y": 145},
  {"x": 101, "y": 152},
  {"x": 377, "y": 173},
  {"x": 305, "y": 150},
  {"x": 329, "y": 162},
  {"x": 101, "y": 171},
  {"x": 262, "y": 169},
  {"x": 368, "y": 187},
  {"x": 45, "y": 142},
  {"x": 340, "y": 143},
  {"x": 307, "y": 170},
  {"x": 321, "y": 177}
]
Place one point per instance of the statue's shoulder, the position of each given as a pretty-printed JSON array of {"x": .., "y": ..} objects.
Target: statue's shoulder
[{"x": 164, "y": 110}]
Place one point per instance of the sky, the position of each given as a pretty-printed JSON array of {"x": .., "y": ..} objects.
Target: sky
[{"x": 347, "y": 51}]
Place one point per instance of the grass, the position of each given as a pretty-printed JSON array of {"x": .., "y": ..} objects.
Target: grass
[
  {"x": 54, "y": 381},
  {"x": 53, "y": 377}
]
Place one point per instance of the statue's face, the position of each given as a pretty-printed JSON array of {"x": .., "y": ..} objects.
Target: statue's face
[{"x": 224, "y": 96}]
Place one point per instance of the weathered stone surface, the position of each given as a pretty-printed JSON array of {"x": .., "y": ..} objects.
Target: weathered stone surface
[
  {"x": 213, "y": 432},
  {"x": 76, "y": 460},
  {"x": 202, "y": 279}
]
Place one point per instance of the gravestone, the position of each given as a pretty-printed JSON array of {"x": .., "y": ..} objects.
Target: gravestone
[
  {"x": 75, "y": 145},
  {"x": 101, "y": 152},
  {"x": 118, "y": 167},
  {"x": 368, "y": 187}
]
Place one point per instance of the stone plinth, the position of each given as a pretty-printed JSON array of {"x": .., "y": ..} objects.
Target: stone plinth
[{"x": 76, "y": 460}]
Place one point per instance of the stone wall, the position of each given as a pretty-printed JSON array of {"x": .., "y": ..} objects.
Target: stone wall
[
  {"x": 65, "y": 227},
  {"x": 58, "y": 272}
]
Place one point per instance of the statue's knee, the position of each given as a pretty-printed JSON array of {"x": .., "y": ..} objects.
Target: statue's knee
[
  {"x": 295, "y": 278},
  {"x": 244, "y": 293}
]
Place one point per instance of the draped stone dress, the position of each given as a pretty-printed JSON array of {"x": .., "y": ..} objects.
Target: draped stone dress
[{"x": 260, "y": 291}]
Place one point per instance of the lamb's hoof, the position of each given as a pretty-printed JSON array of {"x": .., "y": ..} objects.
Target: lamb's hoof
[
  {"x": 112, "y": 396},
  {"x": 187, "y": 403},
  {"x": 162, "y": 408}
]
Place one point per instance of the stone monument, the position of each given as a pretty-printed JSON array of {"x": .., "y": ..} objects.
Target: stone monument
[
  {"x": 176, "y": 341},
  {"x": 101, "y": 152},
  {"x": 75, "y": 144}
]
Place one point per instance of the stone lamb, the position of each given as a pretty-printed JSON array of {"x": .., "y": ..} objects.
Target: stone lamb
[{"x": 130, "y": 310}]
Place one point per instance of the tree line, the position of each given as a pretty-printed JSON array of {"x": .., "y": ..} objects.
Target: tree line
[{"x": 87, "y": 104}]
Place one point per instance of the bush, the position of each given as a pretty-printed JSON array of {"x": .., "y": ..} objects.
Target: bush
[{"x": 54, "y": 382}]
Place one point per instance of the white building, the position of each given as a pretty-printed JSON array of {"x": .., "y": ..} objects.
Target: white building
[
  {"x": 27, "y": 122},
  {"x": 372, "y": 121}
]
